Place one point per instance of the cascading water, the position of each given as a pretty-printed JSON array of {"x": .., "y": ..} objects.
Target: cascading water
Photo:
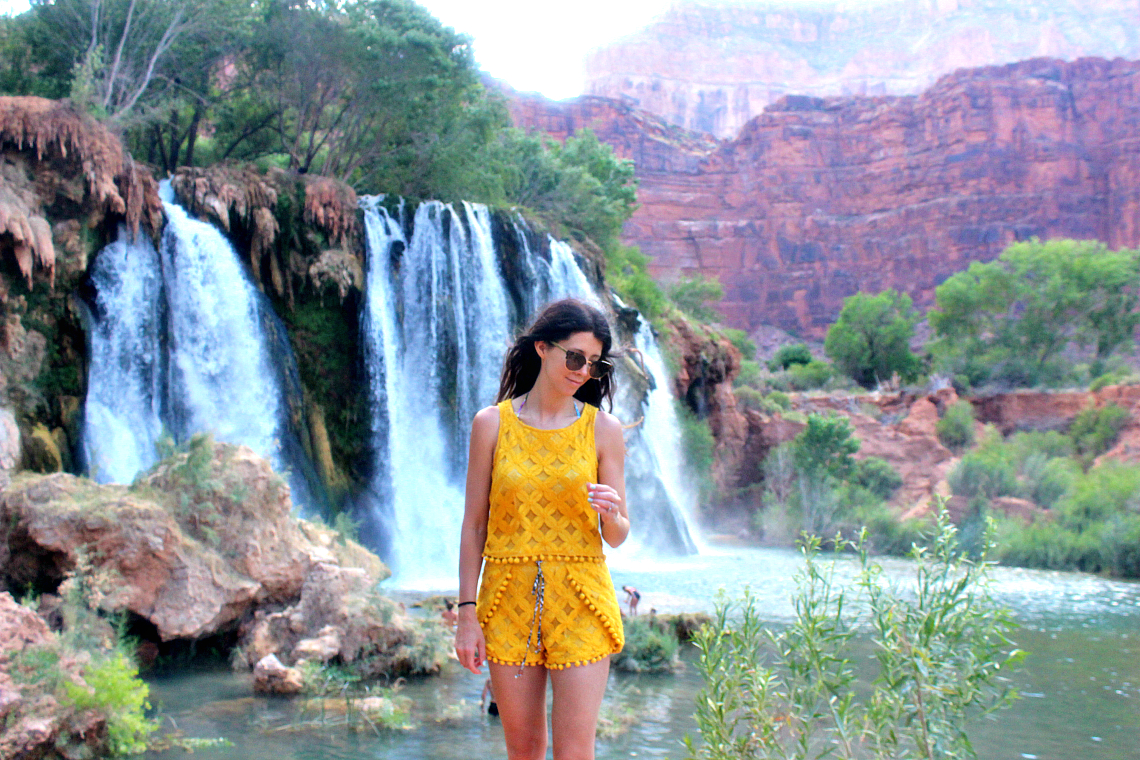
[
  {"x": 183, "y": 340},
  {"x": 126, "y": 381},
  {"x": 222, "y": 378},
  {"x": 438, "y": 318}
]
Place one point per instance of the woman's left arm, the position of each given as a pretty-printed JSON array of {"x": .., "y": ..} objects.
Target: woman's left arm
[{"x": 607, "y": 496}]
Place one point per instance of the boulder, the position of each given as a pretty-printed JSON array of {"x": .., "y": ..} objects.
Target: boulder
[
  {"x": 271, "y": 677},
  {"x": 190, "y": 571}
]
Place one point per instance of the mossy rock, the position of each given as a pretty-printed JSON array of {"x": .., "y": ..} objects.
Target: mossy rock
[{"x": 41, "y": 451}]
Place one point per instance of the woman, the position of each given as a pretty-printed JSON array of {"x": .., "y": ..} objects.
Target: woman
[{"x": 545, "y": 485}]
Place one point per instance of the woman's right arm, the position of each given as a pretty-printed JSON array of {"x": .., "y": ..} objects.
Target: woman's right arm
[{"x": 469, "y": 644}]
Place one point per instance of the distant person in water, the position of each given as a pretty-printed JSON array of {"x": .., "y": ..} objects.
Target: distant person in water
[
  {"x": 632, "y": 597},
  {"x": 448, "y": 613},
  {"x": 545, "y": 487}
]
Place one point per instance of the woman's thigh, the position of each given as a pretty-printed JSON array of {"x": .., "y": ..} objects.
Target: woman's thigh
[
  {"x": 522, "y": 709},
  {"x": 578, "y": 693}
]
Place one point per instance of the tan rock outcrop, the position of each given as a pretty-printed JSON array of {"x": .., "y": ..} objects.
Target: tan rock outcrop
[{"x": 192, "y": 557}]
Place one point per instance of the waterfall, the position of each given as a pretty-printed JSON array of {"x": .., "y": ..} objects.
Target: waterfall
[
  {"x": 661, "y": 439},
  {"x": 222, "y": 378},
  {"x": 437, "y": 320},
  {"x": 125, "y": 384},
  {"x": 181, "y": 339}
]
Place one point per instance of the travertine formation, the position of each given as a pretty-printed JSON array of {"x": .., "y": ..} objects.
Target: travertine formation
[
  {"x": 713, "y": 66},
  {"x": 820, "y": 198}
]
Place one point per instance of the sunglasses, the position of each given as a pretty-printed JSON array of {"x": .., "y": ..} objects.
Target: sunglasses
[{"x": 575, "y": 360}]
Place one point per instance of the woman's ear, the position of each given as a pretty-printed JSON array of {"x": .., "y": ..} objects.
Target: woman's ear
[{"x": 541, "y": 348}]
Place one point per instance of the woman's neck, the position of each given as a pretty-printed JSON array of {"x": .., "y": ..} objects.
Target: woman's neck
[{"x": 547, "y": 407}]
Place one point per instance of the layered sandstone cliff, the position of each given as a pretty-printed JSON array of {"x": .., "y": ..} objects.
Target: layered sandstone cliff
[
  {"x": 820, "y": 198},
  {"x": 712, "y": 67}
]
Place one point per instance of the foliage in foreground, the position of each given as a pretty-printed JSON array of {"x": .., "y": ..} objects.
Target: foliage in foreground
[{"x": 941, "y": 650}]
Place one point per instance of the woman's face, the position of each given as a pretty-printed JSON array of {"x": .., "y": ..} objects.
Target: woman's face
[{"x": 553, "y": 356}]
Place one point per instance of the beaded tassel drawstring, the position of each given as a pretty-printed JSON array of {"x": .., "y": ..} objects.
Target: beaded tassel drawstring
[{"x": 539, "y": 591}]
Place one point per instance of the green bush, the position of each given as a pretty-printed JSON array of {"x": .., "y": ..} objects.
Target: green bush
[
  {"x": 749, "y": 375},
  {"x": 941, "y": 658},
  {"x": 648, "y": 648},
  {"x": 115, "y": 691},
  {"x": 789, "y": 354},
  {"x": 877, "y": 476},
  {"x": 887, "y": 534},
  {"x": 743, "y": 343},
  {"x": 1046, "y": 480},
  {"x": 956, "y": 428},
  {"x": 1095, "y": 429},
  {"x": 983, "y": 474},
  {"x": 627, "y": 271},
  {"x": 806, "y": 377},
  {"x": 694, "y": 297},
  {"x": 780, "y": 399}
]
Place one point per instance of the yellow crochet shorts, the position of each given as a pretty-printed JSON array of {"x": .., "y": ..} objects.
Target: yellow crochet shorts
[{"x": 580, "y": 620}]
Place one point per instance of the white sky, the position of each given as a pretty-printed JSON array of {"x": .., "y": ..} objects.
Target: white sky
[{"x": 534, "y": 45}]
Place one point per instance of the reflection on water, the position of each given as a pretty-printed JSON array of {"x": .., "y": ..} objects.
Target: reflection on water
[{"x": 1080, "y": 684}]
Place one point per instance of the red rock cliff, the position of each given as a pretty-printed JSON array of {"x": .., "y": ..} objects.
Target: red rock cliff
[
  {"x": 817, "y": 199},
  {"x": 713, "y": 66}
]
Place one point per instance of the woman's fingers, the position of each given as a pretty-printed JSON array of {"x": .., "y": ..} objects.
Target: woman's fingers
[{"x": 604, "y": 499}]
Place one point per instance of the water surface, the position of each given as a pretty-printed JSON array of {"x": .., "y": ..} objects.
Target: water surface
[{"x": 1080, "y": 684}]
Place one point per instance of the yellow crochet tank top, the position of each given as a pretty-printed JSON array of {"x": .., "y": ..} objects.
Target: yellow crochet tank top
[{"x": 538, "y": 507}]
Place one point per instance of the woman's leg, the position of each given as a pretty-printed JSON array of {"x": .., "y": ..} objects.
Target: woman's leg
[
  {"x": 578, "y": 695},
  {"x": 522, "y": 709}
]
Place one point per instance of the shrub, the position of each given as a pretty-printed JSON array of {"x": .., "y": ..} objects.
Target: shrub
[
  {"x": 648, "y": 648},
  {"x": 780, "y": 399},
  {"x": 956, "y": 428},
  {"x": 806, "y": 377},
  {"x": 743, "y": 343},
  {"x": 877, "y": 476},
  {"x": 694, "y": 296},
  {"x": 941, "y": 655},
  {"x": 983, "y": 474},
  {"x": 115, "y": 690},
  {"x": 887, "y": 534},
  {"x": 789, "y": 354},
  {"x": 1047, "y": 480},
  {"x": 1095, "y": 429},
  {"x": 749, "y": 375}
]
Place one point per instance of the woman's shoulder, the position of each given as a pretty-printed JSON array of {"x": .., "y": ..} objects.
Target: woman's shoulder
[
  {"x": 486, "y": 423},
  {"x": 607, "y": 426}
]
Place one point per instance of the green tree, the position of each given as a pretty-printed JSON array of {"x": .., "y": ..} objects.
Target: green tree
[
  {"x": 825, "y": 446},
  {"x": 693, "y": 296},
  {"x": 869, "y": 341},
  {"x": 1009, "y": 319}
]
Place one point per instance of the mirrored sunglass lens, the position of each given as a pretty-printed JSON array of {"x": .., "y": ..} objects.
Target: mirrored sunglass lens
[{"x": 575, "y": 361}]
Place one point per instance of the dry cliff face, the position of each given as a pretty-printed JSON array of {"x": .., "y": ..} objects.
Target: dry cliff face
[
  {"x": 818, "y": 199},
  {"x": 713, "y": 67}
]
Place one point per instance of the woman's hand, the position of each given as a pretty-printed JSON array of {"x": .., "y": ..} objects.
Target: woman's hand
[
  {"x": 604, "y": 500},
  {"x": 470, "y": 646}
]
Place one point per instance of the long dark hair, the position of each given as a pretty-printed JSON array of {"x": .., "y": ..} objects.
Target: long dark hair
[{"x": 557, "y": 322}]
